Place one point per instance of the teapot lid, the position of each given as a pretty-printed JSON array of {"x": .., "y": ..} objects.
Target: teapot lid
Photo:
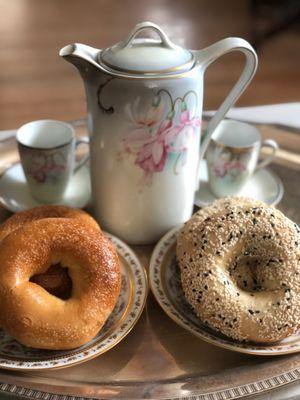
[{"x": 147, "y": 56}]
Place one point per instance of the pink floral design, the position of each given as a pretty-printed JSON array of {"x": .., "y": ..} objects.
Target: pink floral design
[
  {"x": 234, "y": 167},
  {"x": 46, "y": 167},
  {"x": 176, "y": 136},
  {"x": 156, "y": 132}
]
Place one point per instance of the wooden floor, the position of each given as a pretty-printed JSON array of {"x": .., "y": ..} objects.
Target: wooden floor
[{"x": 36, "y": 83}]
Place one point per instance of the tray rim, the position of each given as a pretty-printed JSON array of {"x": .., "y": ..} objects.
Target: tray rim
[{"x": 266, "y": 385}]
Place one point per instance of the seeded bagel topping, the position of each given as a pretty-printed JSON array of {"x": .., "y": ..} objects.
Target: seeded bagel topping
[{"x": 252, "y": 291}]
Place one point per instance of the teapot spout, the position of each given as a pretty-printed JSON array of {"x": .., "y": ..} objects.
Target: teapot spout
[{"x": 81, "y": 56}]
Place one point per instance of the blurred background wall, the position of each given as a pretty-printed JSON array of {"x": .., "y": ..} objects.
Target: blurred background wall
[{"x": 36, "y": 83}]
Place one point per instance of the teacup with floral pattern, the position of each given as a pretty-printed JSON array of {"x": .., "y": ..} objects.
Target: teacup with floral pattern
[
  {"x": 232, "y": 156},
  {"x": 47, "y": 153}
]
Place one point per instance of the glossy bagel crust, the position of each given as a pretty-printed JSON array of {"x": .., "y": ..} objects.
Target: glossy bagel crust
[
  {"x": 18, "y": 220},
  {"x": 55, "y": 280},
  {"x": 240, "y": 270},
  {"x": 35, "y": 317}
]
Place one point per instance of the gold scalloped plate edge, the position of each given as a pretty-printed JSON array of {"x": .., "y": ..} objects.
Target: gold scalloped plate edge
[
  {"x": 161, "y": 257},
  {"x": 134, "y": 307}
]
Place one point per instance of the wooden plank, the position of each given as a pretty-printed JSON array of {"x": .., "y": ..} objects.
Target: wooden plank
[{"x": 36, "y": 83}]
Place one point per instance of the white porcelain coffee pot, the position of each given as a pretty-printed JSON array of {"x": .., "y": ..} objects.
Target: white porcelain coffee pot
[{"x": 144, "y": 100}]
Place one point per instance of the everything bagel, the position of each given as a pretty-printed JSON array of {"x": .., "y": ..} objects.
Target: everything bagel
[
  {"x": 240, "y": 271},
  {"x": 32, "y": 315}
]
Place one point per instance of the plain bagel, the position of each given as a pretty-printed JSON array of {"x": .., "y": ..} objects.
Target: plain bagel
[
  {"x": 56, "y": 280},
  {"x": 240, "y": 271},
  {"x": 32, "y": 315},
  {"x": 18, "y": 220}
]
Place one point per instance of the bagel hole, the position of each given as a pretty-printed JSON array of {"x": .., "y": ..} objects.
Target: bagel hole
[
  {"x": 55, "y": 280},
  {"x": 246, "y": 273}
]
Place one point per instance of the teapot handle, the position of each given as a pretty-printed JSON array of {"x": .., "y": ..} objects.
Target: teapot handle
[{"x": 205, "y": 57}]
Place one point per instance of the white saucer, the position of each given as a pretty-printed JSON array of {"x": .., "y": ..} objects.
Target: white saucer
[
  {"x": 15, "y": 195},
  {"x": 264, "y": 185}
]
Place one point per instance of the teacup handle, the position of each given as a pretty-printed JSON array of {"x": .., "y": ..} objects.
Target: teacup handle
[
  {"x": 274, "y": 146},
  {"x": 205, "y": 57},
  {"x": 80, "y": 163}
]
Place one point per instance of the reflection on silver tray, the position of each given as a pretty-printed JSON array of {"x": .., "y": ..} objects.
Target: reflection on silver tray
[{"x": 165, "y": 283}]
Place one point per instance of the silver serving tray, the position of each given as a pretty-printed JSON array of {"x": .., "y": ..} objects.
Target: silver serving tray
[{"x": 159, "y": 359}]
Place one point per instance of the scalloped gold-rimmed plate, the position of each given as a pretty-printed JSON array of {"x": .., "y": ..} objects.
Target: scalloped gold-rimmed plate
[
  {"x": 164, "y": 277},
  {"x": 130, "y": 304}
]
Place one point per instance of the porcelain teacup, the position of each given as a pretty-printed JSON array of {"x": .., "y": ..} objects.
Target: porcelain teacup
[
  {"x": 232, "y": 156},
  {"x": 47, "y": 151}
]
